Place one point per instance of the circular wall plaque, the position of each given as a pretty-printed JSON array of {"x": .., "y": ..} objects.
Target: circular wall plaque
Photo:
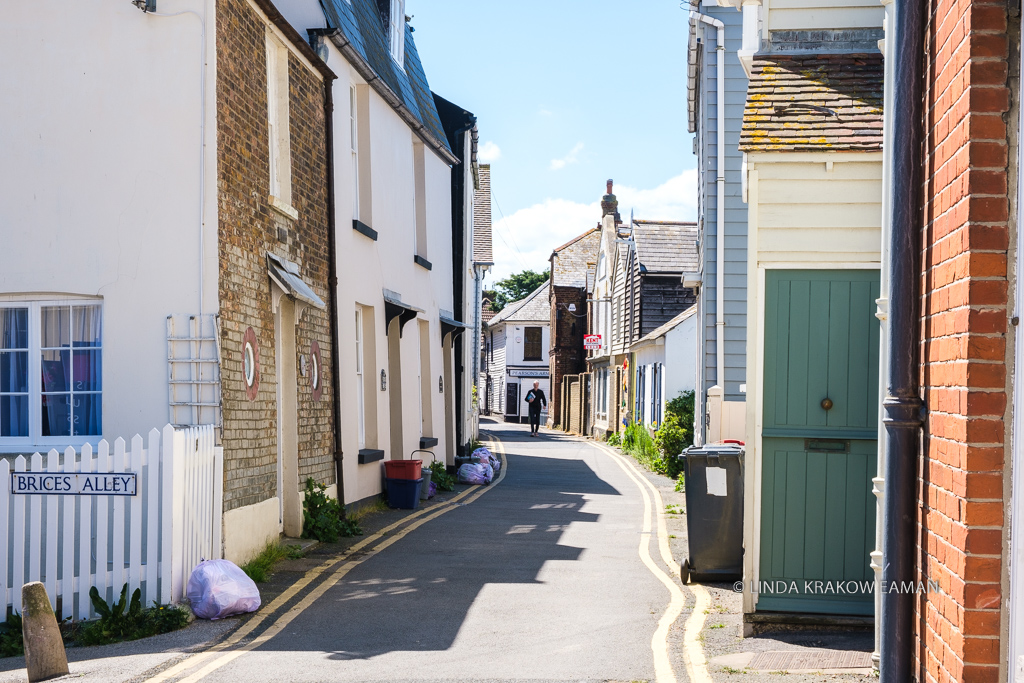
[
  {"x": 314, "y": 371},
  {"x": 251, "y": 364}
]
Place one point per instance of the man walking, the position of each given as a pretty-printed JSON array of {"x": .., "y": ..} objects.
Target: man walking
[{"x": 535, "y": 397}]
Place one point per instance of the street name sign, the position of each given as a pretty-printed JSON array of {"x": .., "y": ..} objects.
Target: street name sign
[{"x": 85, "y": 484}]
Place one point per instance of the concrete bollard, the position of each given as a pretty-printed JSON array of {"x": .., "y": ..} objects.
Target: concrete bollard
[{"x": 44, "y": 648}]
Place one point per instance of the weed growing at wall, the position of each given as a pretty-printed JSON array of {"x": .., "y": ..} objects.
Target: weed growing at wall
[
  {"x": 323, "y": 518},
  {"x": 127, "y": 620},
  {"x": 11, "y": 642},
  {"x": 258, "y": 568},
  {"x": 439, "y": 475}
]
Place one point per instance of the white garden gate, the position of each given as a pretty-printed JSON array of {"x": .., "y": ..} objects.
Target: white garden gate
[{"x": 72, "y": 541}]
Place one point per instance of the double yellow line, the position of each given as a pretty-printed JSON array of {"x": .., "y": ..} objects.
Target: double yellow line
[
  {"x": 232, "y": 648},
  {"x": 693, "y": 653}
]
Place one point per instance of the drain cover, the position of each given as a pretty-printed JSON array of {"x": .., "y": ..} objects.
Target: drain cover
[{"x": 813, "y": 660}]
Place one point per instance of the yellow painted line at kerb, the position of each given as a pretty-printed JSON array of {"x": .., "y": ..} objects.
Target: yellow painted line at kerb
[
  {"x": 693, "y": 653},
  {"x": 226, "y": 656}
]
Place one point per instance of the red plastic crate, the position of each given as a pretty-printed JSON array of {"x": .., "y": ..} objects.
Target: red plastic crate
[{"x": 403, "y": 469}]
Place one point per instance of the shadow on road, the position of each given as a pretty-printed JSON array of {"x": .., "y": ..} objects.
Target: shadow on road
[{"x": 416, "y": 595}]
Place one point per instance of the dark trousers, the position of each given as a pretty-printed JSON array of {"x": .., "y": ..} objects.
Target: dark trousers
[{"x": 534, "y": 420}]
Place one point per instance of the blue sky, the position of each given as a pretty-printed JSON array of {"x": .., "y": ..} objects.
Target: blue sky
[{"x": 567, "y": 94}]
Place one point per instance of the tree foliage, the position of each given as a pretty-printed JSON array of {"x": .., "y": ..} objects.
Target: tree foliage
[{"x": 515, "y": 287}]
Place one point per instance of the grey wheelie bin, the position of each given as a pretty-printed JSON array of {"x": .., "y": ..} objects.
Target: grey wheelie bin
[{"x": 714, "y": 512}]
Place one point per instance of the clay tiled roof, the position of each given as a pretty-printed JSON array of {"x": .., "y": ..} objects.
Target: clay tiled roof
[
  {"x": 570, "y": 261},
  {"x": 817, "y": 102},
  {"x": 482, "y": 252},
  {"x": 666, "y": 246}
]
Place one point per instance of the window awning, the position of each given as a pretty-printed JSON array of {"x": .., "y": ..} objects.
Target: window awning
[
  {"x": 285, "y": 275},
  {"x": 394, "y": 307},
  {"x": 450, "y": 324}
]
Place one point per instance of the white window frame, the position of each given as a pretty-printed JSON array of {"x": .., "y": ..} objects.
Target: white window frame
[
  {"x": 360, "y": 387},
  {"x": 419, "y": 181},
  {"x": 35, "y": 439},
  {"x": 353, "y": 123},
  {"x": 396, "y": 30},
  {"x": 279, "y": 135}
]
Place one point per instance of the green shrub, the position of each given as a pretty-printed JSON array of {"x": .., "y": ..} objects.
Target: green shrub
[
  {"x": 323, "y": 518},
  {"x": 439, "y": 475},
  {"x": 614, "y": 439},
  {"x": 126, "y": 620},
  {"x": 11, "y": 641},
  {"x": 682, "y": 406},
  {"x": 670, "y": 440}
]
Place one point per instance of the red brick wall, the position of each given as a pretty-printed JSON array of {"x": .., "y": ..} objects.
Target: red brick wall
[
  {"x": 963, "y": 350},
  {"x": 248, "y": 229},
  {"x": 567, "y": 356}
]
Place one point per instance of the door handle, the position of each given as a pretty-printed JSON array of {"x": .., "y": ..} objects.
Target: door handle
[{"x": 826, "y": 404}]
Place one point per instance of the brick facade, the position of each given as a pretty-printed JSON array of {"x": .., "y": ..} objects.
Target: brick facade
[
  {"x": 964, "y": 341},
  {"x": 567, "y": 356},
  {"x": 248, "y": 229}
]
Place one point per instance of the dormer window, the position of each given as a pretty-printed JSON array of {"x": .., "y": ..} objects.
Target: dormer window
[{"x": 396, "y": 31}]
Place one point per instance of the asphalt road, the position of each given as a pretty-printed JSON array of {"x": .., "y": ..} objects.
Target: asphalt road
[{"x": 538, "y": 579}]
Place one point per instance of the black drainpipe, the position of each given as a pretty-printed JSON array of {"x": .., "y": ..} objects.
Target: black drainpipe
[
  {"x": 332, "y": 279},
  {"x": 903, "y": 408}
]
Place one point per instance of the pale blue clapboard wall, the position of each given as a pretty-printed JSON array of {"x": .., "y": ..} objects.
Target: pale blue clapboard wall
[{"x": 735, "y": 208}]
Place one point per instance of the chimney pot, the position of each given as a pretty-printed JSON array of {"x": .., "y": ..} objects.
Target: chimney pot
[{"x": 609, "y": 187}]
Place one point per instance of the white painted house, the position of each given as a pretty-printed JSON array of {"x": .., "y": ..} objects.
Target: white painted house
[
  {"x": 666, "y": 366},
  {"x": 235, "y": 213},
  {"x": 518, "y": 341}
]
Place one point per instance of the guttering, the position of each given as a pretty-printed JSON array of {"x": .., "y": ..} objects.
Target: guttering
[
  {"x": 720, "y": 205},
  {"x": 332, "y": 283},
  {"x": 363, "y": 68},
  {"x": 903, "y": 408}
]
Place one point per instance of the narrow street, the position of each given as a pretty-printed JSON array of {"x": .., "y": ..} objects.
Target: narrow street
[{"x": 539, "y": 578}]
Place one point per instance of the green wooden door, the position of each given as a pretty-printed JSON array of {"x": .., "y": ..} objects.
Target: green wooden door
[{"x": 819, "y": 446}]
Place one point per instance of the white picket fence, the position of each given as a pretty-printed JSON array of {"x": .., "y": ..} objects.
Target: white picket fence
[{"x": 151, "y": 540}]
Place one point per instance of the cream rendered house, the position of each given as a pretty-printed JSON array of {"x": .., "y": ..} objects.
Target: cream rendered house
[{"x": 812, "y": 134}]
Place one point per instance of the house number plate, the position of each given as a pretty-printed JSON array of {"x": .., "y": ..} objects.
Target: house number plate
[{"x": 60, "y": 484}]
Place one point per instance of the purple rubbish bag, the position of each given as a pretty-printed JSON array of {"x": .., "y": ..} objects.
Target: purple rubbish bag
[
  {"x": 473, "y": 474},
  {"x": 218, "y": 589}
]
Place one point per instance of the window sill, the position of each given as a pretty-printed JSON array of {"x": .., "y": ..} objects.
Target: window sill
[
  {"x": 368, "y": 455},
  {"x": 427, "y": 442},
  {"x": 422, "y": 262},
  {"x": 28, "y": 449},
  {"x": 283, "y": 208},
  {"x": 364, "y": 229}
]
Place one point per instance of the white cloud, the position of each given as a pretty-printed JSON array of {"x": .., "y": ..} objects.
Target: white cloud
[
  {"x": 526, "y": 238},
  {"x": 570, "y": 158},
  {"x": 488, "y": 152}
]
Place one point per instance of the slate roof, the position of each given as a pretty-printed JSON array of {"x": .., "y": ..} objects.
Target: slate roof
[
  {"x": 535, "y": 307},
  {"x": 359, "y": 24},
  {"x": 668, "y": 247},
  {"x": 570, "y": 261},
  {"x": 666, "y": 328},
  {"x": 814, "y": 102},
  {"x": 482, "y": 247}
]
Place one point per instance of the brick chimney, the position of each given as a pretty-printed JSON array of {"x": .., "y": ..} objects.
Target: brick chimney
[{"x": 609, "y": 204}]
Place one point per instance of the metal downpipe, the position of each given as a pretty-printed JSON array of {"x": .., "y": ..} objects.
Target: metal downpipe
[
  {"x": 332, "y": 283},
  {"x": 903, "y": 409}
]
